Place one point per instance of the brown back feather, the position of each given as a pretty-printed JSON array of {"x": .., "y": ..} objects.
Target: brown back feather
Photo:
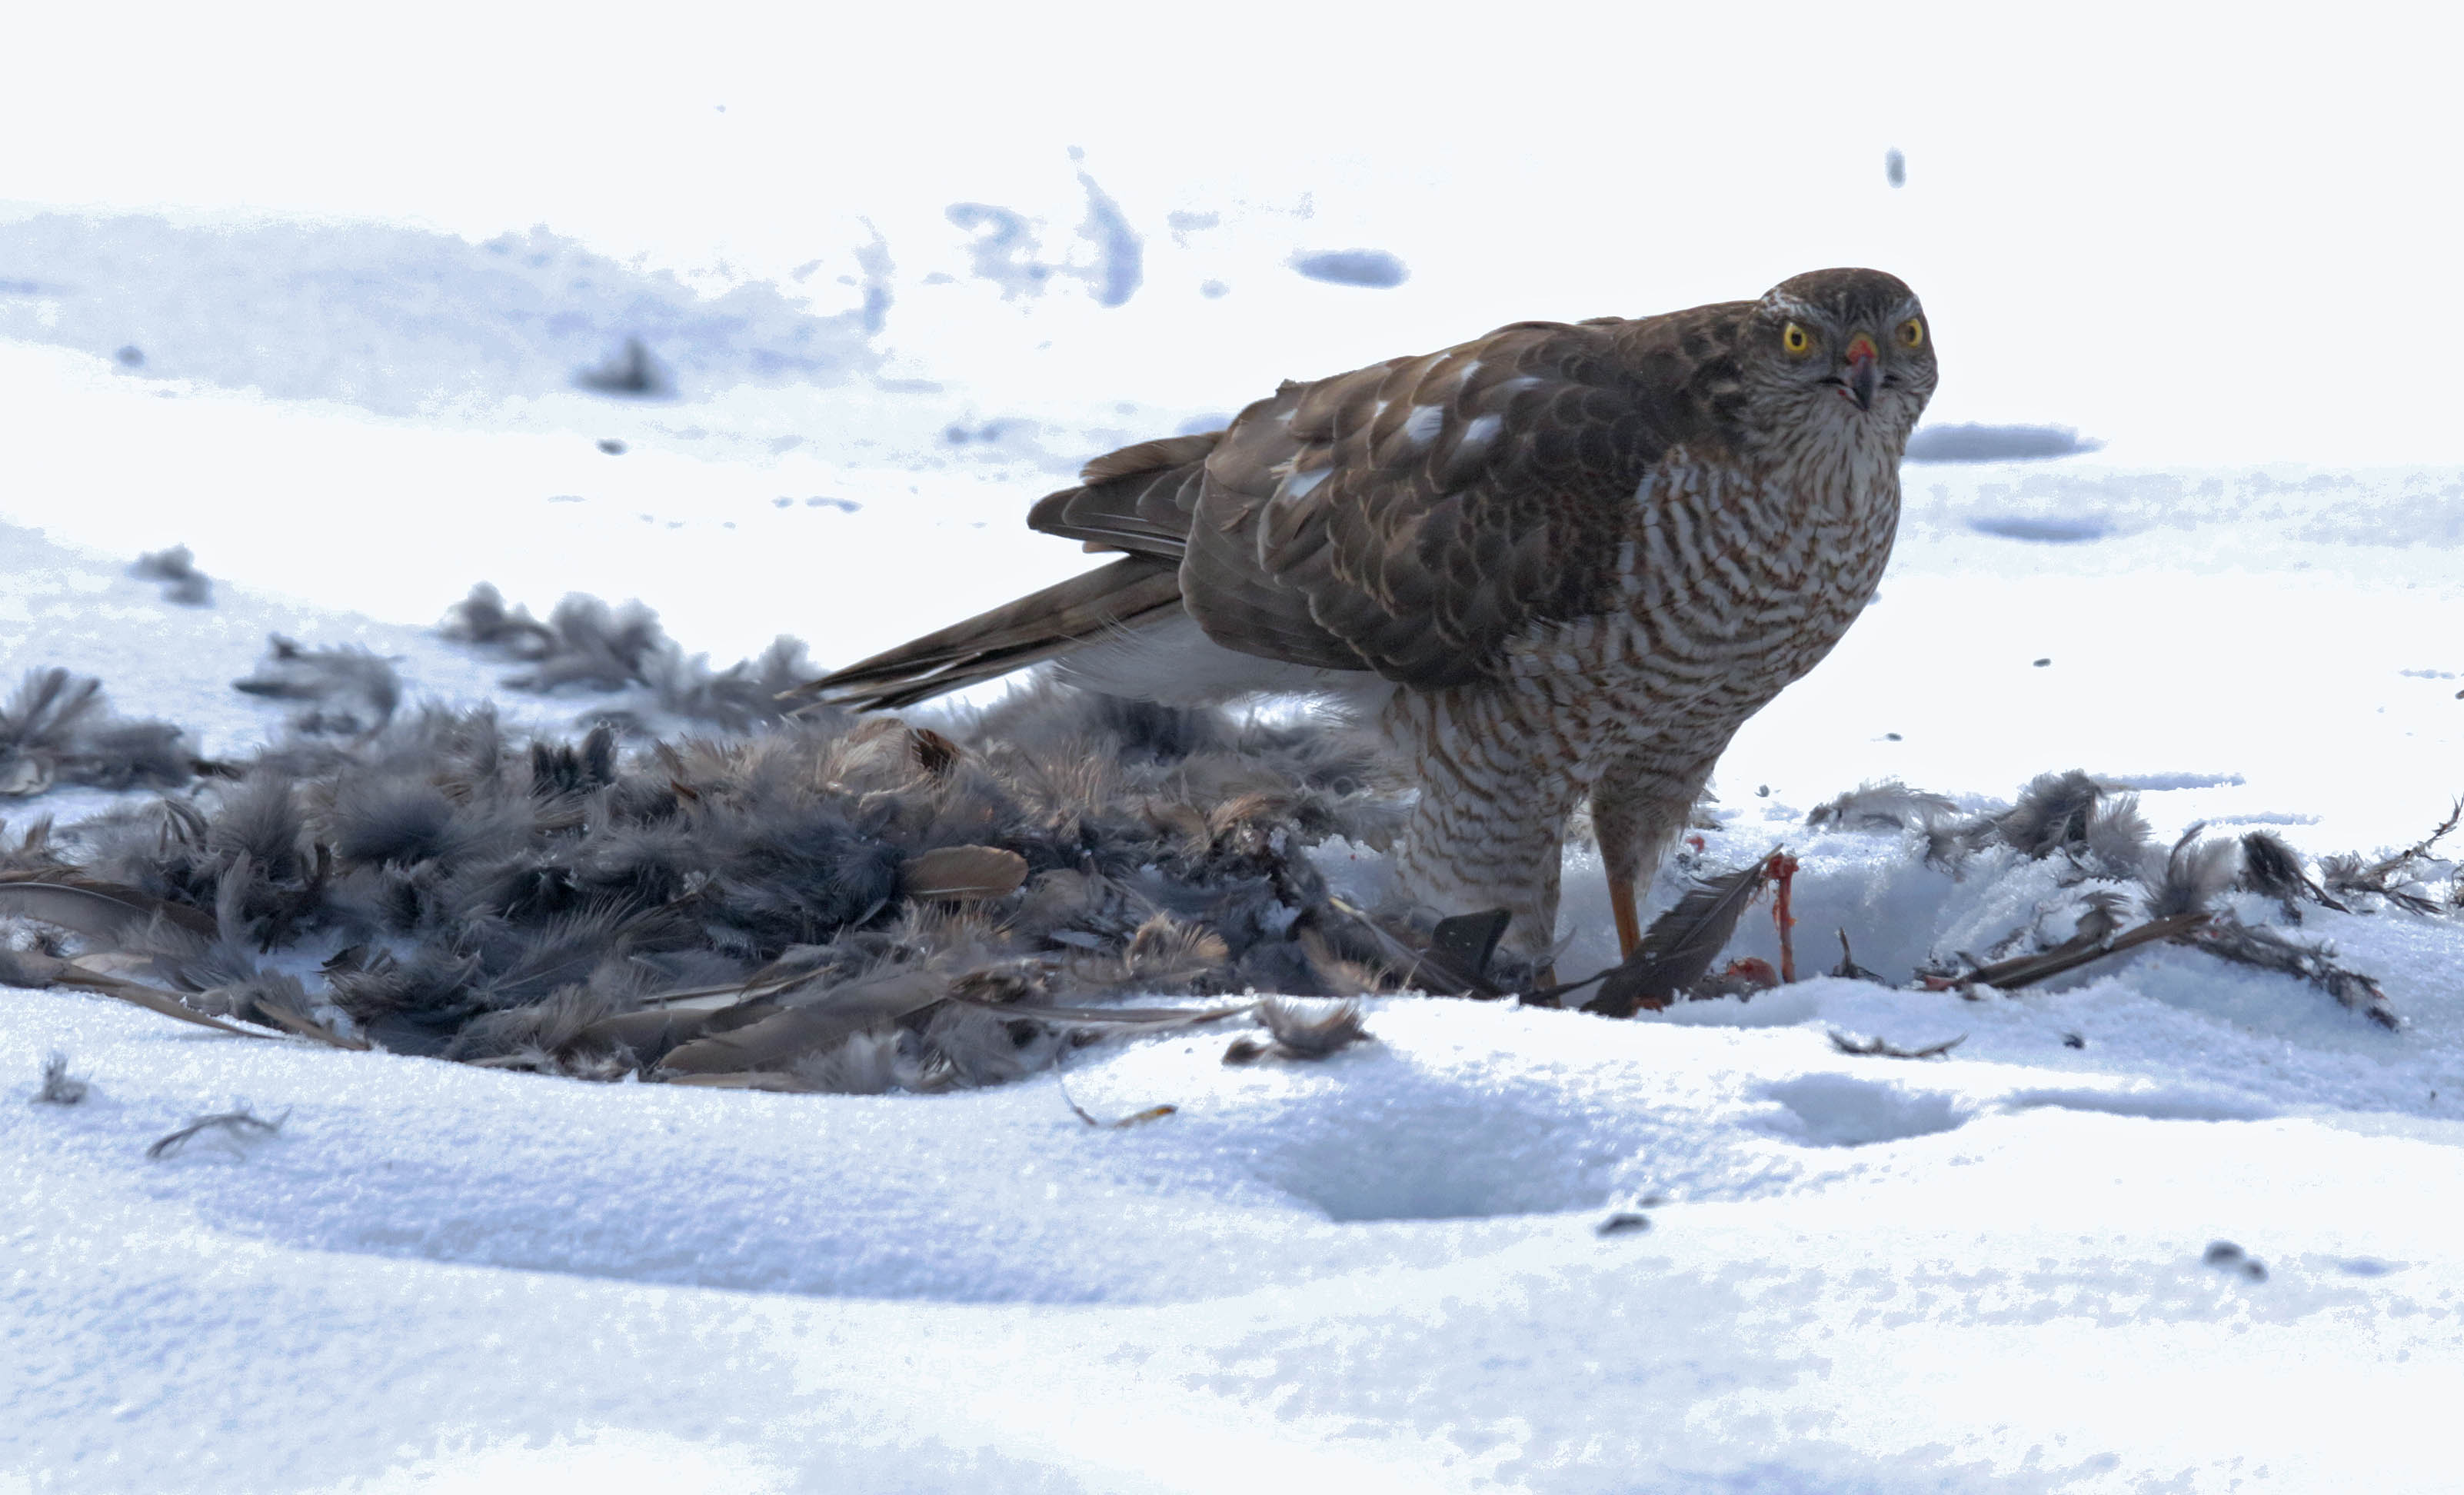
[
  {"x": 1413, "y": 517},
  {"x": 1138, "y": 499}
]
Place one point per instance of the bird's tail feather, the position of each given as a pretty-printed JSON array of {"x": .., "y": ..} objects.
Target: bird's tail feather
[{"x": 1133, "y": 590}]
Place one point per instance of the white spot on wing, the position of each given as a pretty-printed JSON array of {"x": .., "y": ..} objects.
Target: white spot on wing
[
  {"x": 1296, "y": 486},
  {"x": 1422, "y": 424},
  {"x": 1482, "y": 430}
]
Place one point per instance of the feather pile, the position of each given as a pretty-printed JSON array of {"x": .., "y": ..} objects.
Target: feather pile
[{"x": 821, "y": 903}]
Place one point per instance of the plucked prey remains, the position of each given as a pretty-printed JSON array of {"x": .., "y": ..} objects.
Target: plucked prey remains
[{"x": 1558, "y": 561}]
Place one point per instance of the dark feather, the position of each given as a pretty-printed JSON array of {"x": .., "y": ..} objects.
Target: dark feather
[
  {"x": 2053, "y": 811},
  {"x": 2272, "y": 868},
  {"x": 177, "y": 567},
  {"x": 1678, "y": 949}
]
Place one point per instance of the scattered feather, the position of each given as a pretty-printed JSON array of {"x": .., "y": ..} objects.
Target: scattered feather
[
  {"x": 59, "y": 1088},
  {"x": 1299, "y": 1032},
  {"x": 342, "y": 691},
  {"x": 1888, "y": 1050},
  {"x": 2195, "y": 874},
  {"x": 240, "y": 1125},
  {"x": 2272, "y": 868},
  {"x": 1881, "y": 805},
  {"x": 2053, "y": 811},
  {"x": 2388, "y": 876},
  {"x": 631, "y": 372},
  {"x": 177, "y": 568},
  {"x": 1848, "y": 968},
  {"x": 2066, "y": 812}
]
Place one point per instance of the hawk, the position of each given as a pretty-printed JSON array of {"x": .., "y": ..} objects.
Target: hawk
[{"x": 1556, "y": 562}]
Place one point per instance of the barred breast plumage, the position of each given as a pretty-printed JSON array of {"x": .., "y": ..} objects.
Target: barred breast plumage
[{"x": 1557, "y": 562}]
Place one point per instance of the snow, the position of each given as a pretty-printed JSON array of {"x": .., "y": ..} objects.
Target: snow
[{"x": 1986, "y": 1272}]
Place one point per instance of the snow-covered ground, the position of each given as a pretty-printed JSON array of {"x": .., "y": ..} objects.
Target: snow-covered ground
[{"x": 1988, "y": 1272}]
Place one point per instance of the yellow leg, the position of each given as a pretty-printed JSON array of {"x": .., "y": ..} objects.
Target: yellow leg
[{"x": 1629, "y": 924}]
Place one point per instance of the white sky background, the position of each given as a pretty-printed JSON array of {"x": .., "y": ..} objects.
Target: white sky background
[{"x": 2208, "y": 239}]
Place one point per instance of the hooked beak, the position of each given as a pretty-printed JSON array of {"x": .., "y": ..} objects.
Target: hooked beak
[{"x": 1864, "y": 373}]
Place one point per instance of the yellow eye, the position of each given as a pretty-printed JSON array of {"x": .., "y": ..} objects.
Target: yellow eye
[
  {"x": 1912, "y": 333},
  {"x": 1797, "y": 340}
]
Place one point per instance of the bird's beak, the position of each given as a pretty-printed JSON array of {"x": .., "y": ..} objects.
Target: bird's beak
[{"x": 1864, "y": 371}]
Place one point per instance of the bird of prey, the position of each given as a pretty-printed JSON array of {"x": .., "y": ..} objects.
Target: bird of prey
[{"x": 1558, "y": 561}]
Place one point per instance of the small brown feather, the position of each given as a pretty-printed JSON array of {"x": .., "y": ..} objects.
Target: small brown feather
[
  {"x": 962, "y": 873},
  {"x": 785, "y": 1036}
]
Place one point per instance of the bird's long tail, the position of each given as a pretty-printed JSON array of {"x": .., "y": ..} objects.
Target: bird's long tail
[{"x": 1131, "y": 592}]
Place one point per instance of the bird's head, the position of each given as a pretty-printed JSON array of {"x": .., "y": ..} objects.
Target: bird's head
[{"x": 1844, "y": 350}]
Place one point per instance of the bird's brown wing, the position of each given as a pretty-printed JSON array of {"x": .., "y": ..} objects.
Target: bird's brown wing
[
  {"x": 1412, "y": 517},
  {"x": 1138, "y": 499}
]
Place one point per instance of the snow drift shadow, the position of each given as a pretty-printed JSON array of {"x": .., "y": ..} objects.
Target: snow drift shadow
[{"x": 1974, "y": 443}]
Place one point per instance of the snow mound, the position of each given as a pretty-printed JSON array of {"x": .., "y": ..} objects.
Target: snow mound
[{"x": 390, "y": 318}]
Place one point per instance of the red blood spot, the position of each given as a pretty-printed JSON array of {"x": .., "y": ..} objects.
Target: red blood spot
[{"x": 1696, "y": 842}]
